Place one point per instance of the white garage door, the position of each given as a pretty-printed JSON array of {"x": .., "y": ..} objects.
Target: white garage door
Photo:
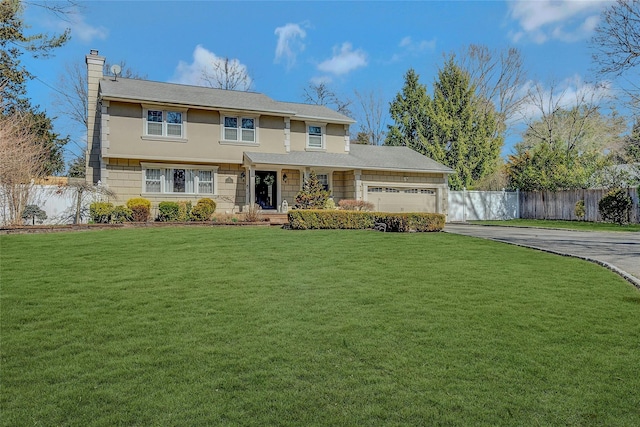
[{"x": 402, "y": 199}]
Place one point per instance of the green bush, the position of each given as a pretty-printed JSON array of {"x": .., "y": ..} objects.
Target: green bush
[
  {"x": 406, "y": 222},
  {"x": 140, "y": 209},
  {"x": 168, "y": 211},
  {"x": 615, "y": 206},
  {"x": 121, "y": 214},
  {"x": 203, "y": 210},
  {"x": 304, "y": 219},
  {"x": 184, "y": 211},
  {"x": 100, "y": 212},
  {"x": 579, "y": 209}
]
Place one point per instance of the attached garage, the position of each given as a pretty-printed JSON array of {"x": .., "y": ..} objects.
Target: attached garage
[{"x": 402, "y": 199}]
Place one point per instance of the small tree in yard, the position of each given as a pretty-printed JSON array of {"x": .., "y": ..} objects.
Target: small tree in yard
[
  {"x": 313, "y": 195},
  {"x": 615, "y": 206},
  {"x": 33, "y": 213}
]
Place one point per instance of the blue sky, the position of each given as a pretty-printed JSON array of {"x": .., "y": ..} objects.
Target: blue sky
[{"x": 359, "y": 45}]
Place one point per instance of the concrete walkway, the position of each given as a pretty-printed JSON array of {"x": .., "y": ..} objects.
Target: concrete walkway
[{"x": 618, "y": 251}]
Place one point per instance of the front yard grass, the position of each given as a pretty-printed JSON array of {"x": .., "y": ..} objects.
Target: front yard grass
[
  {"x": 263, "y": 326},
  {"x": 569, "y": 225}
]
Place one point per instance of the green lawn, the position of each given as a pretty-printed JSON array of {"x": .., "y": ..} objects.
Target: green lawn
[
  {"x": 263, "y": 326},
  {"x": 571, "y": 225}
]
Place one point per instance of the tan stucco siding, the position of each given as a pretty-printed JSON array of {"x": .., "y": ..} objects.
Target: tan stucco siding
[
  {"x": 202, "y": 137},
  {"x": 334, "y": 137}
]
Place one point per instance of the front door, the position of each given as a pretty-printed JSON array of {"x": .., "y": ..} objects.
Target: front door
[{"x": 266, "y": 194}]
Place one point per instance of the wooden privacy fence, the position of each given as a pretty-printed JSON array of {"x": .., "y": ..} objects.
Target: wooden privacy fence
[{"x": 561, "y": 204}]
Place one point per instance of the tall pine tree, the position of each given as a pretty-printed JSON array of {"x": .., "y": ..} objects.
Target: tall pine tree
[{"x": 408, "y": 110}]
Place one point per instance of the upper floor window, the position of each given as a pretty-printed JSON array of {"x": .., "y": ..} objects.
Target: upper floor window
[
  {"x": 315, "y": 137},
  {"x": 241, "y": 129},
  {"x": 165, "y": 123}
]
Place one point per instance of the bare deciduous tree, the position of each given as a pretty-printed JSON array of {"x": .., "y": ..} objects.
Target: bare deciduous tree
[
  {"x": 372, "y": 123},
  {"x": 573, "y": 120},
  {"x": 498, "y": 76},
  {"x": 321, "y": 94},
  {"x": 617, "y": 38},
  {"x": 227, "y": 74},
  {"x": 22, "y": 160}
]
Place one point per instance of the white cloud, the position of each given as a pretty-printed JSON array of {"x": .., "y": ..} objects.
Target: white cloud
[
  {"x": 290, "y": 43},
  {"x": 204, "y": 63},
  {"x": 566, "y": 94},
  {"x": 344, "y": 60},
  {"x": 565, "y": 20},
  {"x": 410, "y": 45},
  {"x": 81, "y": 30}
]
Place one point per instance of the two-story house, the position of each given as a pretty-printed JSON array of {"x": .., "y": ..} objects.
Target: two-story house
[{"x": 167, "y": 141}]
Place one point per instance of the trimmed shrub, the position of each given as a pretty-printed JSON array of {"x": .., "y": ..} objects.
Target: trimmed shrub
[
  {"x": 140, "y": 209},
  {"x": 121, "y": 214},
  {"x": 304, "y": 219},
  {"x": 168, "y": 211},
  {"x": 356, "y": 205},
  {"x": 100, "y": 212},
  {"x": 330, "y": 204},
  {"x": 409, "y": 222},
  {"x": 184, "y": 211},
  {"x": 203, "y": 210},
  {"x": 615, "y": 206}
]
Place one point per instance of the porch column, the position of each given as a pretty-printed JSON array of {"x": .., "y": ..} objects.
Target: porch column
[
  {"x": 358, "y": 182},
  {"x": 251, "y": 182}
]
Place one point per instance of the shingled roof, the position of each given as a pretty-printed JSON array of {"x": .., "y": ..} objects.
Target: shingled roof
[
  {"x": 360, "y": 157},
  {"x": 205, "y": 97}
]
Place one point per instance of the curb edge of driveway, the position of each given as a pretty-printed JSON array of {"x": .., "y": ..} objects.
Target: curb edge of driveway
[{"x": 628, "y": 277}]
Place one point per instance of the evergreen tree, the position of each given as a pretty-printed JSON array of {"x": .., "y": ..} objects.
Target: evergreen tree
[
  {"x": 313, "y": 195},
  {"x": 408, "y": 110},
  {"x": 462, "y": 131}
]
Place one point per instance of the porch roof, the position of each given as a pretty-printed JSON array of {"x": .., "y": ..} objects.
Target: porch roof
[{"x": 369, "y": 157}]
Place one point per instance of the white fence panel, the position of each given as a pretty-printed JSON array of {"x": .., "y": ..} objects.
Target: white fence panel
[
  {"x": 482, "y": 205},
  {"x": 59, "y": 203}
]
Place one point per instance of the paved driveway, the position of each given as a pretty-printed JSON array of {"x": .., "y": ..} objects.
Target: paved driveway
[{"x": 621, "y": 250}]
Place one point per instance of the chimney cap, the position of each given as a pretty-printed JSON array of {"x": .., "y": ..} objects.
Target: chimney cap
[{"x": 94, "y": 51}]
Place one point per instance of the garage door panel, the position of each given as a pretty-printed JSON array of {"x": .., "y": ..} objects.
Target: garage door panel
[{"x": 399, "y": 199}]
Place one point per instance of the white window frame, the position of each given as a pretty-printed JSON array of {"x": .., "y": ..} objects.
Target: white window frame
[
  {"x": 165, "y": 124},
  {"x": 323, "y": 132},
  {"x": 239, "y": 118},
  {"x": 164, "y": 179}
]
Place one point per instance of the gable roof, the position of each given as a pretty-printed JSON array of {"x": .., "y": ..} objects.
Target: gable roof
[
  {"x": 371, "y": 157},
  {"x": 205, "y": 97}
]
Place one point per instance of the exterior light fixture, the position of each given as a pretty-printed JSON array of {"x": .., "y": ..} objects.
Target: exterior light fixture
[{"x": 285, "y": 178}]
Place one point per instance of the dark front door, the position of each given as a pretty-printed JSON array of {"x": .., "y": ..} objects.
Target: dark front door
[{"x": 266, "y": 194}]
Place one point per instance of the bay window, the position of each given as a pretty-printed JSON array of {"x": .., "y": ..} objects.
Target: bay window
[{"x": 166, "y": 179}]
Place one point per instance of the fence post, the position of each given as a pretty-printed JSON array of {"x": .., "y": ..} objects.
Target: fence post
[
  {"x": 517, "y": 203},
  {"x": 464, "y": 204}
]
